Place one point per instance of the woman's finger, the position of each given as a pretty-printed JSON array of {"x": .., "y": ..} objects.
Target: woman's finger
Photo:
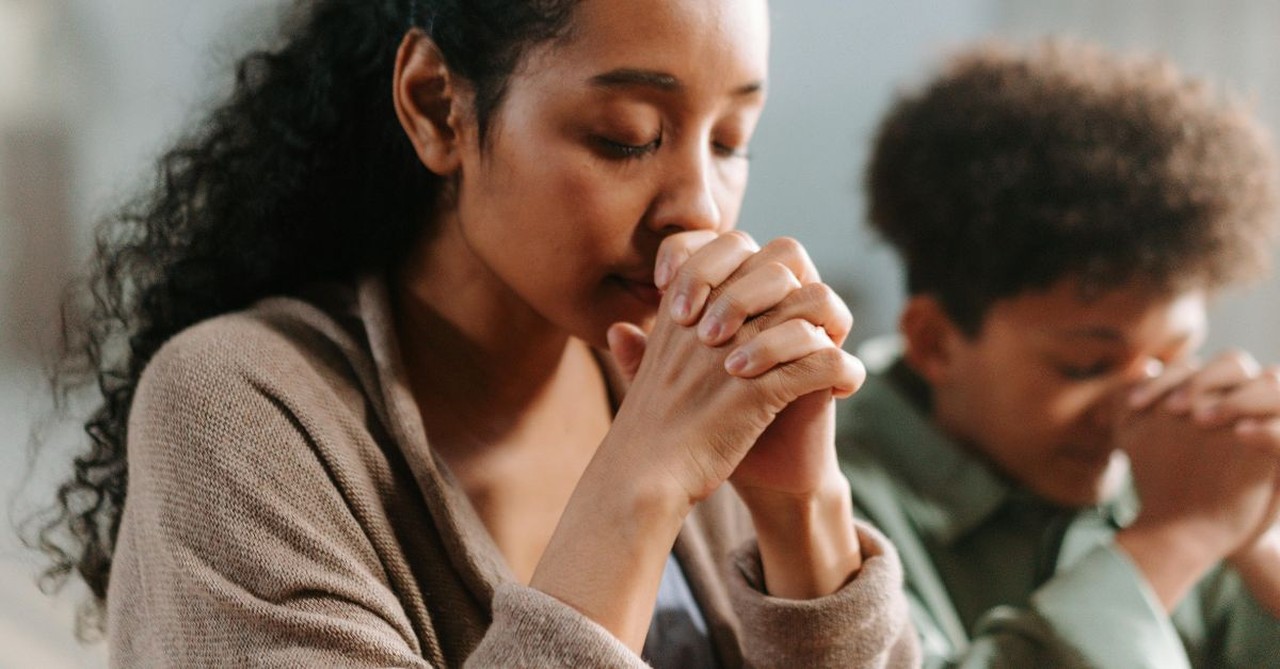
[
  {"x": 758, "y": 286},
  {"x": 778, "y": 345},
  {"x": 675, "y": 250},
  {"x": 828, "y": 368},
  {"x": 705, "y": 270},
  {"x": 627, "y": 343},
  {"x": 792, "y": 254},
  {"x": 743, "y": 298},
  {"x": 816, "y": 303}
]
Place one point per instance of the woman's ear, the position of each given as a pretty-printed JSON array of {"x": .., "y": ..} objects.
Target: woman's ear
[
  {"x": 430, "y": 102},
  {"x": 929, "y": 336}
]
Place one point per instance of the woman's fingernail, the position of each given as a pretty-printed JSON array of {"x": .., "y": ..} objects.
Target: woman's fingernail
[
  {"x": 680, "y": 307},
  {"x": 710, "y": 330},
  {"x": 661, "y": 276},
  {"x": 736, "y": 362}
]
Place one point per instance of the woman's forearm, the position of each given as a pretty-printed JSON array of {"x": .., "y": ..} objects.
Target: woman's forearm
[
  {"x": 607, "y": 554},
  {"x": 809, "y": 546}
]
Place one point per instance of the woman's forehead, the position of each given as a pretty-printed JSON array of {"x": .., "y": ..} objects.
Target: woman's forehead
[{"x": 720, "y": 43}]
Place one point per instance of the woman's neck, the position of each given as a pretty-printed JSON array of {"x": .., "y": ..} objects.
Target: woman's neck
[
  {"x": 470, "y": 345},
  {"x": 515, "y": 406}
]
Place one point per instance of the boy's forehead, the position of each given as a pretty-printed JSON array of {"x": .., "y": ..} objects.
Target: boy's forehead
[{"x": 1121, "y": 315}]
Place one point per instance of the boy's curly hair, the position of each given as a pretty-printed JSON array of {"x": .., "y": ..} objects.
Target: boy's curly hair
[{"x": 1018, "y": 167}]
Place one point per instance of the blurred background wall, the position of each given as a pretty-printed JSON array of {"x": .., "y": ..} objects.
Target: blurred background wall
[{"x": 91, "y": 90}]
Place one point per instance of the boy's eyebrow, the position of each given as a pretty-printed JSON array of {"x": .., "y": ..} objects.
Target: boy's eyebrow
[
  {"x": 1111, "y": 335},
  {"x": 630, "y": 77}
]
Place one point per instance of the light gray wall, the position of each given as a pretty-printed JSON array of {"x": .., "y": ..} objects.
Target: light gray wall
[
  {"x": 113, "y": 81},
  {"x": 89, "y": 93},
  {"x": 835, "y": 67}
]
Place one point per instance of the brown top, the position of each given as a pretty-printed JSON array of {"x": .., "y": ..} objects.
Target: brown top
[{"x": 284, "y": 509}]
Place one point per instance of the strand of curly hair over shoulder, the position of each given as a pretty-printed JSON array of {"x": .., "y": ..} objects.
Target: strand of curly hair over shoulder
[{"x": 302, "y": 175}]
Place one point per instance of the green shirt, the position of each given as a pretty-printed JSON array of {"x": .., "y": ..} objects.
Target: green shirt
[{"x": 999, "y": 578}]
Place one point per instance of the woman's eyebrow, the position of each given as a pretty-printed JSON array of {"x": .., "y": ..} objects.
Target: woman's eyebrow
[
  {"x": 662, "y": 81},
  {"x": 628, "y": 78}
]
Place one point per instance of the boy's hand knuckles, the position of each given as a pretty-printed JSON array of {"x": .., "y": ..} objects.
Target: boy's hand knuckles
[
  {"x": 1230, "y": 367},
  {"x": 1241, "y": 360},
  {"x": 1269, "y": 379}
]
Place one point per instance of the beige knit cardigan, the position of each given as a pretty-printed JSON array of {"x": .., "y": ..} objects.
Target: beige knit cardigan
[{"x": 285, "y": 509}]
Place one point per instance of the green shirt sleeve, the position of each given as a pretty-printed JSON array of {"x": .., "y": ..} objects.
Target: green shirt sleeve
[
  {"x": 1104, "y": 609},
  {"x": 1224, "y": 627},
  {"x": 1099, "y": 613}
]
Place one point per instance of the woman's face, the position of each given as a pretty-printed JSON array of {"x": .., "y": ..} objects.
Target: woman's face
[{"x": 631, "y": 128}]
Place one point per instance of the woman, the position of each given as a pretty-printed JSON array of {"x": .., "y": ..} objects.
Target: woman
[{"x": 449, "y": 349}]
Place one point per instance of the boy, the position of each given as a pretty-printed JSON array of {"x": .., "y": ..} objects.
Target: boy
[{"x": 1063, "y": 216}]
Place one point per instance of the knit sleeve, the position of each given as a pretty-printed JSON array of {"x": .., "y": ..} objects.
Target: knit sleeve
[
  {"x": 864, "y": 624},
  {"x": 533, "y": 629},
  {"x": 236, "y": 548}
]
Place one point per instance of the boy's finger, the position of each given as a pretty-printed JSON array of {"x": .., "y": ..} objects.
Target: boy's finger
[{"x": 1155, "y": 388}]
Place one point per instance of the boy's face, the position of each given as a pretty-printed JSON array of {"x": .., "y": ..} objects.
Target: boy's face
[{"x": 1034, "y": 390}]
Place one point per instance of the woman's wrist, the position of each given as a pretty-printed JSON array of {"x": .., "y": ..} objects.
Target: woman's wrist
[
  {"x": 606, "y": 556},
  {"x": 808, "y": 543}
]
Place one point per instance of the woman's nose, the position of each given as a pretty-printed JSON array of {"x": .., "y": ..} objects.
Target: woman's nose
[{"x": 688, "y": 198}]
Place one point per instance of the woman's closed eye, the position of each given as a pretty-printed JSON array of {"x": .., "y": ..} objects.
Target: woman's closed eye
[
  {"x": 623, "y": 150},
  {"x": 729, "y": 151}
]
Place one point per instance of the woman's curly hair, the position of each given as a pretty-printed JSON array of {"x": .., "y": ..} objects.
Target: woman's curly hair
[
  {"x": 1015, "y": 168},
  {"x": 303, "y": 175}
]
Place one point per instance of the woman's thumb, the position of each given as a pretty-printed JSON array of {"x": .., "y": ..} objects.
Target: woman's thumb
[{"x": 627, "y": 343}]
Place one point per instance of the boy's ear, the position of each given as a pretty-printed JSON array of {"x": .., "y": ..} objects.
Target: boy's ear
[
  {"x": 430, "y": 102},
  {"x": 929, "y": 336}
]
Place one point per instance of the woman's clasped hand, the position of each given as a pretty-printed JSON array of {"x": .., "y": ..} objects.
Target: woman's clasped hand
[{"x": 740, "y": 367}]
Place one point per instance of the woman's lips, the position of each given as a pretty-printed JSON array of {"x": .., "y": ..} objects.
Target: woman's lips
[{"x": 643, "y": 290}]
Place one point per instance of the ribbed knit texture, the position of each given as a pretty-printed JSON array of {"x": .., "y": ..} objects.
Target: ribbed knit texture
[{"x": 284, "y": 510}]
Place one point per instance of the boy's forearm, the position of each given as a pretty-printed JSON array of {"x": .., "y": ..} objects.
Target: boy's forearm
[
  {"x": 1259, "y": 567},
  {"x": 1170, "y": 559}
]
